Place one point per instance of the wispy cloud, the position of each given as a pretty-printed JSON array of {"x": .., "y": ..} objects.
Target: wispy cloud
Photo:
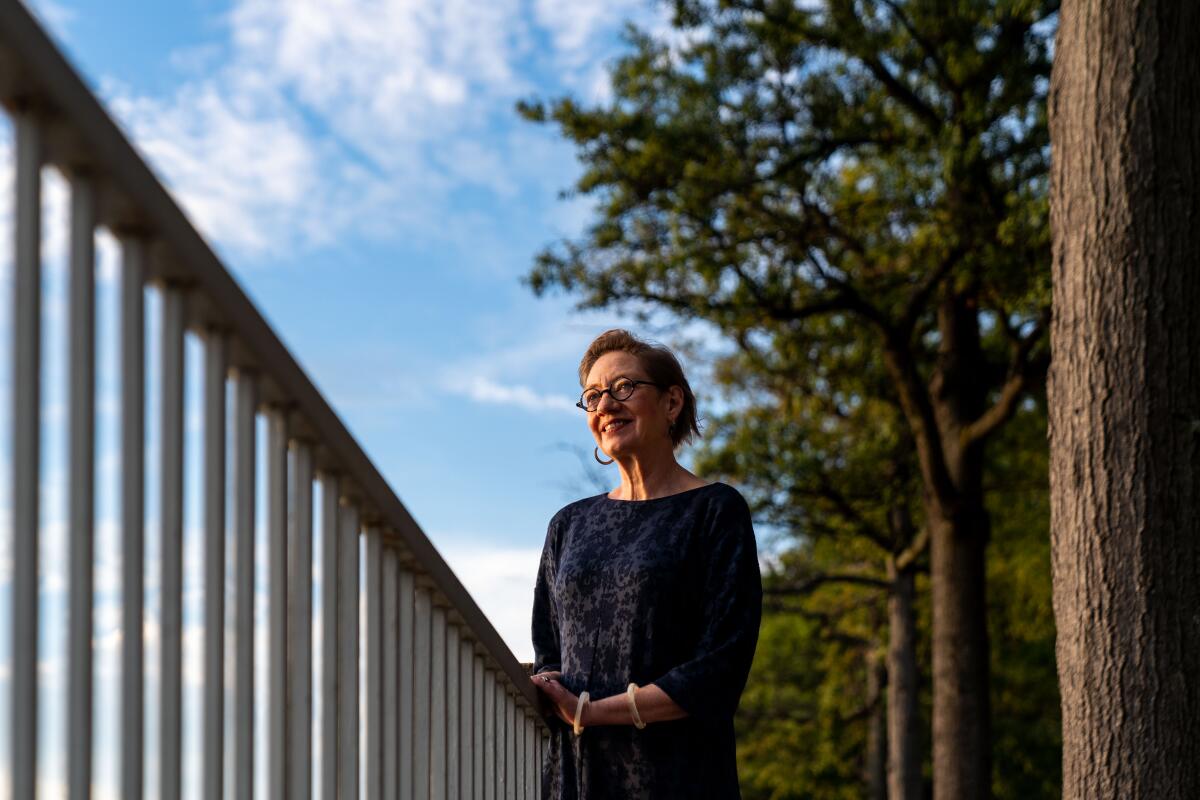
[
  {"x": 508, "y": 369},
  {"x": 248, "y": 174},
  {"x": 501, "y": 579},
  {"x": 55, "y": 15},
  {"x": 359, "y": 115},
  {"x": 485, "y": 390}
]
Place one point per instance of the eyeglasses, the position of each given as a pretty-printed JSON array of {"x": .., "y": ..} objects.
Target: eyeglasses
[{"x": 621, "y": 389}]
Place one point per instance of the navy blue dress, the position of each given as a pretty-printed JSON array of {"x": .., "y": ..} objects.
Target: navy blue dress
[{"x": 664, "y": 591}]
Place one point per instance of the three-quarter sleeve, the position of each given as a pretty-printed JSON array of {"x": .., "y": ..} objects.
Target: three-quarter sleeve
[
  {"x": 709, "y": 683},
  {"x": 546, "y": 646}
]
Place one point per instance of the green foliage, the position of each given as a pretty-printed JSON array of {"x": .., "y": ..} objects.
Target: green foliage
[
  {"x": 1027, "y": 730},
  {"x": 853, "y": 194},
  {"x": 783, "y": 162},
  {"x": 794, "y": 740},
  {"x": 801, "y": 731}
]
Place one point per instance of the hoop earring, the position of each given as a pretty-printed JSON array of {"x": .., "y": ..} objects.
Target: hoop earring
[{"x": 596, "y": 455}]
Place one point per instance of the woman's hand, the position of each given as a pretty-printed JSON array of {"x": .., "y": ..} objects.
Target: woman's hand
[{"x": 561, "y": 700}]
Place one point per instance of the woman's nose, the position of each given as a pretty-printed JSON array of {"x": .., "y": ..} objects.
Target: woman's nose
[{"x": 607, "y": 402}]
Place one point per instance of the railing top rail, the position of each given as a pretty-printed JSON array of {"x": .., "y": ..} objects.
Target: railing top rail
[{"x": 35, "y": 75}]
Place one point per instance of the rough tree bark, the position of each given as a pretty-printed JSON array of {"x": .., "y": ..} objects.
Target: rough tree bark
[
  {"x": 904, "y": 720},
  {"x": 962, "y": 730},
  {"x": 1124, "y": 396},
  {"x": 951, "y": 421},
  {"x": 875, "y": 763}
]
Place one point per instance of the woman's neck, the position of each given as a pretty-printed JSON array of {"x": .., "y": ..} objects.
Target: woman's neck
[{"x": 647, "y": 476}]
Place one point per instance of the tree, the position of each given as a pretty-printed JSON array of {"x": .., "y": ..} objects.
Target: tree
[
  {"x": 822, "y": 459},
  {"x": 827, "y": 474},
  {"x": 1124, "y": 396},
  {"x": 876, "y": 165}
]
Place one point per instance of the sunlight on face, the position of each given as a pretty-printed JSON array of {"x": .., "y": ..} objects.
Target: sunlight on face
[{"x": 633, "y": 425}]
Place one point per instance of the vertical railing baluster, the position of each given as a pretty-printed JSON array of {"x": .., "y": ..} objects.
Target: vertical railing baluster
[
  {"x": 373, "y": 652},
  {"x": 480, "y": 722},
  {"x": 26, "y": 382},
  {"x": 390, "y": 690},
  {"x": 422, "y": 659},
  {"x": 443, "y": 719},
  {"x": 133, "y": 576},
  {"x": 453, "y": 744},
  {"x": 466, "y": 716},
  {"x": 490, "y": 762},
  {"x": 531, "y": 768},
  {"x": 540, "y": 743},
  {"x": 171, "y": 548},
  {"x": 214, "y": 564},
  {"x": 407, "y": 656},
  {"x": 502, "y": 738},
  {"x": 330, "y": 573},
  {"x": 277, "y": 601},
  {"x": 514, "y": 749},
  {"x": 538, "y": 749},
  {"x": 348, "y": 599},
  {"x": 437, "y": 706},
  {"x": 510, "y": 747},
  {"x": 516, "y": 774},
  {"x": 81, "y": 360},
  {"x": 530, "y": 763},
  {"x": 300, "y": 540},
  {"x": 244, "y": 478}
]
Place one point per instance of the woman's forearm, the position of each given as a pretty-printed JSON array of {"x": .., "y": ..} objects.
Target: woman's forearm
[{"x": 653, "y": 705}]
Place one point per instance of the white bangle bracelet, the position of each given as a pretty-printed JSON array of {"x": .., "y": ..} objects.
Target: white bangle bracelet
[
  {"x": 631, "y": 693},
  {"x": 583, "y": 700}
]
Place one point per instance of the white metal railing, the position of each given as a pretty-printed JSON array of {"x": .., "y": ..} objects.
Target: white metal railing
[{"x": 449, "y": 713}]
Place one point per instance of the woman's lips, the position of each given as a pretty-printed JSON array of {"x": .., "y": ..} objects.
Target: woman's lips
[{"x": 614, "y": 425}]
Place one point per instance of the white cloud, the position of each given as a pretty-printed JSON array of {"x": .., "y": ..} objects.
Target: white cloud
[
  {"x": 501, "y": 581},
  {"x": 247, "y": 174},
  {"x": 326, "y": 116},
  {"x": 505, "y": 369},
  {"x": 382, "y": 71},
  {"x": 574, "y": 24},
  {"x": 485, "y": 390},
  {"x": 55, "y": 16},
  {"x": 331, "y": 115}
]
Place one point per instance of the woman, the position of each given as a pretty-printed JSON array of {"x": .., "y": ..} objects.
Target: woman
[{"x": 648, "y": 600}]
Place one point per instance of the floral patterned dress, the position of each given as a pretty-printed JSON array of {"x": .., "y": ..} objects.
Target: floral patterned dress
[{"x": 665, "y": 591}]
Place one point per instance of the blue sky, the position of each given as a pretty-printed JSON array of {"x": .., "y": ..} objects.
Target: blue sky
[{"x": 359, "y": 166}]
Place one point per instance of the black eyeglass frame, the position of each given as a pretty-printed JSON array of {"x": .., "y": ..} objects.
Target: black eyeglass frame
[{"x": 633, "y": 384}]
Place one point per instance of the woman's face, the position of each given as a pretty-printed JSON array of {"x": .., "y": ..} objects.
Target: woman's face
[{"x": 641, "y": 421}]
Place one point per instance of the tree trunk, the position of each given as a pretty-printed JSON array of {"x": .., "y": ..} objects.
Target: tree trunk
[
  {"x": 904, "y": 729},
  {"x": 876, "y": 760},
  {"x": 962, "y": 765},
  {"x": 1124, "y": 396},
  {"x": 959, "y": 530}
]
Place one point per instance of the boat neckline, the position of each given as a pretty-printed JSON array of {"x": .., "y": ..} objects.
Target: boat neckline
[{"x": 605, "y": 496}]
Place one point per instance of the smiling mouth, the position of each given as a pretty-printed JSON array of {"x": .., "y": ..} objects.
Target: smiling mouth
[{"x": 614, "y": 425}]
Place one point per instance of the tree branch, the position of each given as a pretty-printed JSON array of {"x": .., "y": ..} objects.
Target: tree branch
[
  {"x": 927, "y": 47},
  {"x": 810, "y": 585},
  {"x": 862, "y": 526},
  {"x": 902, "y": 92},
  {"x": 908, "y": 555},
  {"x": 1010, "y": 393},
  {"x": 918, "y": 410},
  {"x": 925, "y": 289}
]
